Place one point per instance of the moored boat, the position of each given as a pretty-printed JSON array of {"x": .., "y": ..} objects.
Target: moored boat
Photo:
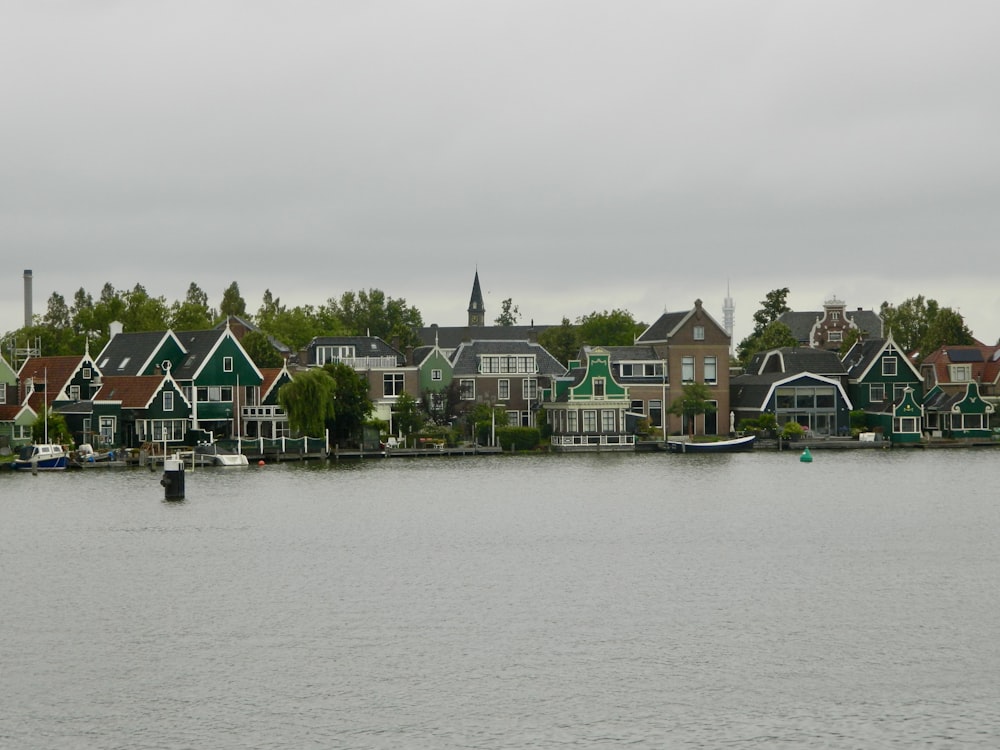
[
  {"x": 210, "y": 454},
  {"x": 41, "y": 457},
  {"x": 734, "y": 445}
]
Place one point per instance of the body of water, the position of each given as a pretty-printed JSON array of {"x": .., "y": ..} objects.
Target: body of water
[{"x": 649, "y": 601}]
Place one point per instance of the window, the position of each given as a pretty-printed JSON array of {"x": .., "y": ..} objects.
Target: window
[
  {"x": 834, "y": 315},
  {"x": 835, "y": 336},
  {"x": 888, "y": 365},
  {"x": 636, "y": 407},
  {"x": 123, "y": 363},
  {"x": 699, "y": 333},
  {"x": 876, "y": 392},
  {"x": 215, "y": 393},
  {"x": 513, "y": 417},
  {"x": 86, "y": 373},
  {"x": 571, "y": 421},
  {"x": 656, "y": 412},
  {"x": 392, "y": 384},
  {"x": 972, "y": 421},
  {"x": 960, "y": 373},
  {"x": 529, "y": 389},
  {"x": 711, "y": 369},
  {"x": 507, "y": 363},
  {"x": 168, "y": 401},
  {"x": 74, "y": 392},
  {"x": 467, "y": 389},
  {"x": 589, "y": 420},
  {"x": 607, "y": 420},
  {"x": 3, "y": 394},
  {"x": 687, "y": 369},
  {"x": 437, "y": 375},
  {"x": 503, "y": 389},
  {"x": 906, "y": 424},
  {"x": 598, "y": 387},
  {"x": 107, "y": 427},
  {"x": 227, "y": 364},
  {"x": 898, "y": 391}
]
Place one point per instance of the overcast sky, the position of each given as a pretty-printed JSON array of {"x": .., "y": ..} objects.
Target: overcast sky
[{"x": 582, "y": 155}]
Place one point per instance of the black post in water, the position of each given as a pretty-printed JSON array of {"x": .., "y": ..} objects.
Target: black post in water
[{"x": 173, "y": 479}]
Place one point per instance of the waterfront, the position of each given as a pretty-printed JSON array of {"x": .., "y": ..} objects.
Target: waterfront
[{"x": 743, "y": 600}]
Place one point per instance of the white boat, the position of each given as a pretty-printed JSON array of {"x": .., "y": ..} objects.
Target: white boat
[
  {"x": 719, "y": 446},
  {"x": 210, "y": 454},
  {"x": 42, "y": 457}
]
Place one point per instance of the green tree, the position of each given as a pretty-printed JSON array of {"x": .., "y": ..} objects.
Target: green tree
[
  {"x": 57, "y": 313},
  {"x": 695, "y": 399},
  {"x": 774, "y": 336},
  {"x": 353, "y": 404},
  {"x": 58, "y": 430},
  {"x": 561, "y": 341},
  {"x": 771, "y": 308},
  {"x": 233, "y": 302},
  {"x": 408, "y": 418},
  {"x": 143, "y": 312},
  {"x": 261, "y": 351},
  {"x": 193, "y": 313},
  {"x": 615, "y": 328},
  {"x": 922, "y": 325},
  {"x": 509, "y": 313},
  {"x": 372, "y": 313},
  {"x": 309, "y": 401}
]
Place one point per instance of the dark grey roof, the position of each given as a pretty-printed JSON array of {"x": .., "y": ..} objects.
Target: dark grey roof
[
  {"x": 451, "y": 337},
  {"x": 801, "y": 323},
  {"x": 278, "y": 345},
  {"x": 861, "y": 355},
  {"x": 635, "y": 353},
  {"x": 126, "y": 353},
  {"x": 465, "y": 359},
  {"x": 197, "y": 345},
  {"x": 792, "y": 359},
  {"x": 661, "y": 329},
  {"x": 749, "y": 391}
]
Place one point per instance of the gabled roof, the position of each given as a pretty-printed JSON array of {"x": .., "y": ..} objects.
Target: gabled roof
[
  {"x": 801, "y": 323},
  {"x": 238, "y": 325},
  {"x": 466, "y": 358},
  {"x": 668, "y": 324},
  {"x": 134, "y": 391},
  {"x": 753, "y": 391},
  {"x": 272, "y": 377},
  {"x": 132, "y": 353},
  {"x": 50, "y": 376},
  {"x": 864, "y": 355}
]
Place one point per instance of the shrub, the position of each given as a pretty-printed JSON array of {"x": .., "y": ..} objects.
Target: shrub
[{"x": 519, "y": 438}]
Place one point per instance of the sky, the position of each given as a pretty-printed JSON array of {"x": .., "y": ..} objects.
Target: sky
[{"x": 581, "y": 156}]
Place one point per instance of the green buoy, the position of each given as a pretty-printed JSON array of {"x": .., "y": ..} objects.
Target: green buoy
[{"x": 806, "y": 456}]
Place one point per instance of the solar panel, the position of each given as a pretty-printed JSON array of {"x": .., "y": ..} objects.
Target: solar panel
[{"x": 965, "y": 355}]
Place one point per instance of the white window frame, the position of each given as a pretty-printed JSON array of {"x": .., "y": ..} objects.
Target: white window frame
[
  {"x": 467, "y": 389},
  {"x": 890, "y": 366},
  {"x": 687, "y": 369},
  {"x": 699, "y": 333},
  {"x": 876, "y": 393},
  {"x": 168, "y": 401},
  {"x": 437, "y": 375},
  {"x": 393, "y": 384},
  {"x": 503, "y": 389},
  {"x": 711, "y": 365},
  {"x": 529, "y": 389},
  {"x": 227, "y": 364}
]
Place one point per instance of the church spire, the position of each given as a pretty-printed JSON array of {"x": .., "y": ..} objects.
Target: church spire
[{"x": 477, "y": 310}]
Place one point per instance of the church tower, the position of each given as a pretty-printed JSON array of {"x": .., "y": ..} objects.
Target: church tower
[{"x": 477, "y": 310}]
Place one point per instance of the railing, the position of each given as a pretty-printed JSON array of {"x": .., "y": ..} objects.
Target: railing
[
  {"x": 364, "y": 363},
  {"x": 263, "y": 412},
  {"x": 284, "y": 446},
  {"x": 596, "y": 440}
]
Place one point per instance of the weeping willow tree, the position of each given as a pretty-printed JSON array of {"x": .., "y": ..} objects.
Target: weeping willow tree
[{"x": 308, "y": 400}]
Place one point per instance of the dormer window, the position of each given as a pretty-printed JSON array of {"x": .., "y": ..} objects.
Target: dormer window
[
  {"x": 124, "y": 363},
  {"x": 960, "y": 373}
]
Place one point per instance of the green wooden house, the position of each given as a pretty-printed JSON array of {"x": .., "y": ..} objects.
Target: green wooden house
[
  {"x": 879, "y": 374},
  {"x": 435, "y": 374},
  {"x": 130, "y": 411},
  {"x": 216, "y": 375},
  {"x": 586, "y": 409},
  {"x": 958, "y": 411}
]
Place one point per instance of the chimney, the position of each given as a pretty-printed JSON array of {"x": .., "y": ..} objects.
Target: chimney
[{"x": 27, "y": 298}]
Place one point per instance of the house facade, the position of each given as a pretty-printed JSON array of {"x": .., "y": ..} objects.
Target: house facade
[
  {"x": 828, "y": 328},
  {"x": 694, "y": 348},
  {"x": 879, "y": 377},
  {"x": 795, "y": 384},
  {"x": 508, "y": 374},
  {"x": 586, "y": 409}
]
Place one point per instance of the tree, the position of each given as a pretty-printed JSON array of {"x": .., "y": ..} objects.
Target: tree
[
  {"x": 772, "y": 307},
  {"x": 562, "y": 341},
  {"x": 144, "y": 313},
  {"x": 57, "y": 314},
  {"x": 615, "y": 328},
  {"x": 261, "y": 351},
  {"x": 408, "y": 418},
  {"x": 509, "y": 313},
  {"x": 774, "y": 336},
  {"x": 922, "y": 325},
  {"x": 695, "y": 399},
  {"x": 193, "y": 314},
  {"x": 308, "y": 400},
  {"x": 233, "y": 302},
  {"x": 58, "y": 430},
  {"x": 353, "y": 404},
  {"x": 371, "y": 313}
]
